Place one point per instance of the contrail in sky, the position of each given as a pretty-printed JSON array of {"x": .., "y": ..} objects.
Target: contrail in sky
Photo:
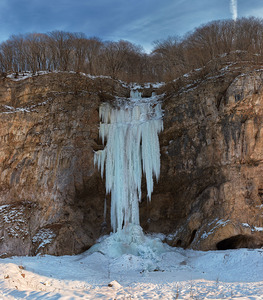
[{"x": 233, "y": 8}]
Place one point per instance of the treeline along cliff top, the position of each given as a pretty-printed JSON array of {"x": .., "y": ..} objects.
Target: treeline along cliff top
[{"x": 169, "y": 59}]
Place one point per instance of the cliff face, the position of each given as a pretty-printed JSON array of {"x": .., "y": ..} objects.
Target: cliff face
[
  {"x": 212, "y": 150},
  {"x": 52, "y": 198}
]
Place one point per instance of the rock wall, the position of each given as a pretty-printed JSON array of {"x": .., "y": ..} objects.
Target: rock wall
[
  {"x": 211, "y": 185},
  {"x": 52, "y": 196},
  {"x": 212, "y": 150}
]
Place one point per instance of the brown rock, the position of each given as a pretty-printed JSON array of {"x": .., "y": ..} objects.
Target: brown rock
[
  {"x": 212, "y": 153},
  {"x": 52, "y": 197},
  {"x": 211, "y": 183}
]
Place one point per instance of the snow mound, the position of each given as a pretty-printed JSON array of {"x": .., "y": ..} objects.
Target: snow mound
[{"x": 130, "y": 240}]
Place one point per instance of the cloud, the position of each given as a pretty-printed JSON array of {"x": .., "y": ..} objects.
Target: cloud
[
  {"x": 140, "y": 22},
  {"x": 233, "y": 8},
  {"x": 173, "y": 19}
]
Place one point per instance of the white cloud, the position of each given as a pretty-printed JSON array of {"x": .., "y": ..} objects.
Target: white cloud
[{"x": 233, "y": 8}]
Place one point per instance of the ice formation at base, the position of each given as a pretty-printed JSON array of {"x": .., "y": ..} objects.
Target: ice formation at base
[
  {"x": 131, "y": 130},
  {"x": 131, "y": 241}
]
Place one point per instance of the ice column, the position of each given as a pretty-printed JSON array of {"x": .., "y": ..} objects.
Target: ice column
[{"x": 131, "y": 131}]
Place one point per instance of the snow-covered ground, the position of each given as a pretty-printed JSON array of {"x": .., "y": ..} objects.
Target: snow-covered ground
[{"x": 174, "y": 273}]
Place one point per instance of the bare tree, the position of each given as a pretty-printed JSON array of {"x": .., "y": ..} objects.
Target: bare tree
[
  {"x": 7, "y": 51},
  {"x": 61, "y": 46},
  {"x": 120, "y": 58},
  {"x": 209, "y": 44},
  {"x": 93, "y": 47},
  {"x": 170, "y": 53}
]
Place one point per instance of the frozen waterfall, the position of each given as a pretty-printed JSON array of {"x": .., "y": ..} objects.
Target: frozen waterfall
[{"x": 130, "y": 131}]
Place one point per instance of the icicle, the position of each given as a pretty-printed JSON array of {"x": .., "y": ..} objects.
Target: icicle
[
  {"x": 131, "y": 131},
  {"x": 135, "y": 94}
]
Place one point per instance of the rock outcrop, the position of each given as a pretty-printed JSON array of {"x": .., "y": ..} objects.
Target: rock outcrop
[
  {"x": 52, "y": 196},
  {"x": 211, "y": 185},
  {"x": 212, "y": 152}
]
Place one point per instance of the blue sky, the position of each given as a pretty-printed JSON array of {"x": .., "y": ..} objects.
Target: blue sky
[{"x": 139, "y": 21}]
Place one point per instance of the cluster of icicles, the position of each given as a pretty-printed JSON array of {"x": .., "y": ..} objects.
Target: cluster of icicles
[{"x": 131, "y": 130}]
